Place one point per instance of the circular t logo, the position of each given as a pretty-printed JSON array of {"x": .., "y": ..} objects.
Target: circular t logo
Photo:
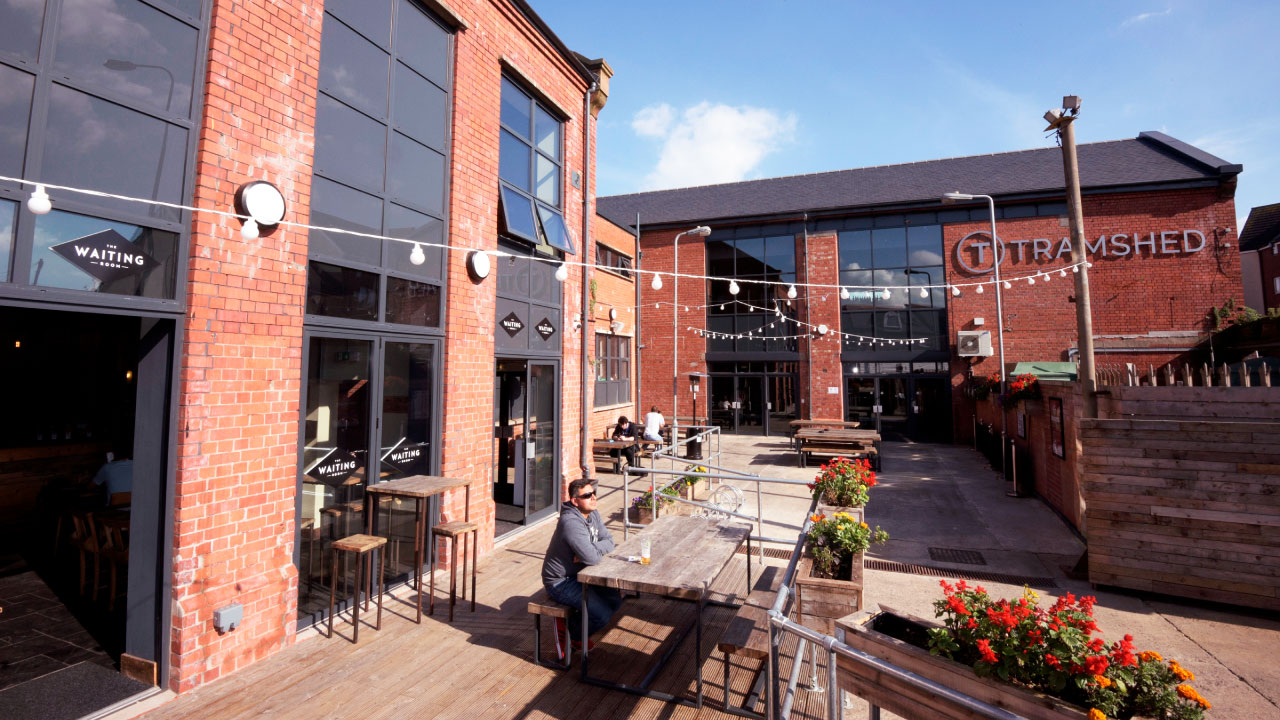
[{"x": 977, "y": 245}]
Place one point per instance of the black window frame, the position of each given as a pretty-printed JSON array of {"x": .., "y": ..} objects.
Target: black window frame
[
  {"x": 613, "y": 369},
  {"x": 392, "y": 254},
  {"x": 613, "y": 260},
  {"x": 15, "y": 279},
  {"x": 551, "y": 241},
  {"x": 736, "y": 318}
]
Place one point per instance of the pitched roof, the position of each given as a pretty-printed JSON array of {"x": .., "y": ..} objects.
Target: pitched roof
[
  {"x": 1151, "y": 158},
  {"x": 1262, "y": 228}
]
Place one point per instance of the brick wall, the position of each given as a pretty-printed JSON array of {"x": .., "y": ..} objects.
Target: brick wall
[
  {"x": 1269, "y": 266},
  {"x": 241, "y": 369},
  {"x": 822, "y": 267},
  {"x": 242, "y": 345},
  {"x": 619, "y": 293},
  {"x": 657, "y": 323}
]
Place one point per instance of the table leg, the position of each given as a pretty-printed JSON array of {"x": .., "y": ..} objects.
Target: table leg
[
  {"x": 430, "y": 550},
  {"x": 585, "y": 641},
  {"x": 475, "y": 562},
  {"x": 748, "y": 563},
  {"x": 382, "y": 580},
  {"x": 453, "y": 574},
  {"x": 355, "y": 605},
  {"x": 697, "y": 647},
  {"x": 418, "y": 549}
]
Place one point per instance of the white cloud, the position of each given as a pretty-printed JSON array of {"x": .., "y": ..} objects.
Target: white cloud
[
  {"x": 653, "y": 121},
  {"x": 711, "y": 143},
  {"x": 1143, "y": 17}
]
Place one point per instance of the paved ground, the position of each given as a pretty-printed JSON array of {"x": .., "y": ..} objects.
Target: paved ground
[{"x": 946, "y": 497}]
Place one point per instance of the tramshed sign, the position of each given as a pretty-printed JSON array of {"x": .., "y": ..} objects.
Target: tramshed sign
[{"x": 974, "y": 251}]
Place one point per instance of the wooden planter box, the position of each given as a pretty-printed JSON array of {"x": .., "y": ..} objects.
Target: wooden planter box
[
  {"x": 640, "y": 515},
  {"x": 822, "y": 601},
  {"x": 858, "y": 513},
  {"x": 880, "y": 633}
]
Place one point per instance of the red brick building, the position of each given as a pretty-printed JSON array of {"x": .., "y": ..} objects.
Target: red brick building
[
  {"x": 887, "y": 258},
  {"x": 258, "y": 378},
  {"x": 1260, "y": 258}
]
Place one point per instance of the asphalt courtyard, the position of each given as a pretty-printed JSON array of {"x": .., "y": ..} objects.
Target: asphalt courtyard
[{"x": 945, "y": 497}]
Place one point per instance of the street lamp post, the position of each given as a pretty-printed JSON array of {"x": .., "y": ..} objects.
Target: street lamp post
[
  {"x": 997, "y": 256},
  {"x": 701, "y": 231}
]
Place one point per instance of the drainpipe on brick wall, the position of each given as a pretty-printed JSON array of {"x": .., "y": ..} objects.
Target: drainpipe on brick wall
[
  {"x": 635, "y": 276},
  {"x": 585, "y": 441},
  {"x": 808, "y": 312}
]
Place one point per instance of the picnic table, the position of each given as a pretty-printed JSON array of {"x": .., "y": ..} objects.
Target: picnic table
[
  {"x": 688, "y": 554},
  {"x": 606, "y": 446},
  {"x": 838, "y": 441},
  {"x": 798, "y": 425}
]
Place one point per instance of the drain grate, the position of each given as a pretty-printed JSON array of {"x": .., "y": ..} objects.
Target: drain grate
[
  {"x": 952, "y": 555},
  {"x": 771, "y": 552},
  {"x": 890, "y": 566}
]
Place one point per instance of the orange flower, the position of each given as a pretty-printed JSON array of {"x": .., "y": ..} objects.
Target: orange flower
[
  {"x": 1180, "y": 672},
  {"x": 1149, "y": 656},
  {"x": 1187, "y": 692},
  {"x": 1102, "y": 680},
  {"x": 1096, "y": 714}
]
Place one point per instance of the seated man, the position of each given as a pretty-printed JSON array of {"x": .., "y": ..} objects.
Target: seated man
[
  {"x": 580, "y": 539},
  {"x": 625, "y": 429},
  {"x": 653, "y": 422},
  {"x": 117, "y": 475}
]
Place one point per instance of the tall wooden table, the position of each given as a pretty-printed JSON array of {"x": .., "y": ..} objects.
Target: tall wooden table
[
  {"x": 688, "y": 554},
  {"x": 612, "y": 444},
  {"x": 421, "y": 488}
]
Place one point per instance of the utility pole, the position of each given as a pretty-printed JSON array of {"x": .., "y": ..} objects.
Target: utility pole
[{"x": 1063, "y": 122}]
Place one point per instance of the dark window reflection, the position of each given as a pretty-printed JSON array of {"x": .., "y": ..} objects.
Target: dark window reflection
[
  {"x": 855, "y": 250},
  {"x": 15, "y": 111},
  {"x": 334, "y": 205},
  {"x": 20, "y": 28},
  {"x": 371, "y": 18},
  {"x": 420, "y": 108},
  {"x": 515, "y": 108},
  {"x": 109, "y": 257},
  {"x": 513, "y": 164},
  {"x": 409, "y": 225},
  {"x": 100, "y": 145},
  {"x": 416, "y": 174},
  {"x": 422, "y": 43},
  {"x": 547, "y": 131},
  {"x": 341, "y": 292},
  {"x": 7, "y": 212},
  {"x": 407, "y": 386},
  {"x": 413, "y": 303},
  {"x": 925, "y": 244},
  {"x": 349, "y": 146},
  {"x": 128, "y": 49},
  {"x": 353, "y": 69},
  {"x": 889, "y": 247}
]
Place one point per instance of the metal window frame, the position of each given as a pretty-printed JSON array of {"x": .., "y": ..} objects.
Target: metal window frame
[{"x": 529, "y": 141}]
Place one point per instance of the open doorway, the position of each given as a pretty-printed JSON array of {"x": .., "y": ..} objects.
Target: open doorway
[
  {"x": 82, "y": 467},
  {"x": 526, "y": 481}
]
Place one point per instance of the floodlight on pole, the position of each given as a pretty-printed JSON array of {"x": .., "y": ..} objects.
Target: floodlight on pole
[{"x": 700, "y": 231}]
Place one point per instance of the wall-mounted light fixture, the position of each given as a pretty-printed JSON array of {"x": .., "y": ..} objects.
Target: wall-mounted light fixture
[
  {"x": 478, "y": 264},
  {"x": 263, "y": 203}
]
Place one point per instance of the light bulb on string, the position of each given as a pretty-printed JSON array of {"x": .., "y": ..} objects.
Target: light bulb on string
[
  {"x": 1075, "y": 268},
  {"x": 733, "y": 287},
  {"x": 823, "y": 329},
  {"x": 1031, "y": 281},
  {"x": 417, "y": 256},
  {"x": 1047, "y": 276},
  {"x": 39, "y": 202},
  {"x": 955, "y": 291},
  {"x": 249, "y": 231},
  {"x": 1007, "y": 285},
  {"x": 979, "y": 290},
  {"x": 1088, "y": 264},
  {"x": 885, "y": 295},
  {"x": 722, "y": 306},
  {"x": 844, "y": 293},
  {"x": 791, "y": 293},
  {"x": 924, "y": 292},
  {"x": 657, "y": 282},
  {"x": 562, "y": 272}
]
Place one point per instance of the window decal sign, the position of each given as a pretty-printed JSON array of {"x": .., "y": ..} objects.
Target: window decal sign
[
  {"x": 511, "y": 323},
  {"x": 545, "y": 328},
  {"x": 406, "y": 457},
  {"x": 106, "y": 256},
  {"x": 335, "y": 468}
]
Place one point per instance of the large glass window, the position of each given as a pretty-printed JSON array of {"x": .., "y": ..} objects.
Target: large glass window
[
  {"x": 117, "y": 98},
  {"x": 613, "y": 369},
  {"x": 529, "y": 166},
  {"x": 749, "y": 321},
  {"x": 382, "y": 119},
  {"x": 899, "y": 259}
]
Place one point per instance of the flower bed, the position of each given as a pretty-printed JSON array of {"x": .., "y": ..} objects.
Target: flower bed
[{"x": 1054, "y": 651}]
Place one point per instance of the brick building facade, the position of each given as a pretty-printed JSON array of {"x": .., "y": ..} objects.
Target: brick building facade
[
  {"x": 257, "y": 380},
  {"x": 886, "y": 255}
]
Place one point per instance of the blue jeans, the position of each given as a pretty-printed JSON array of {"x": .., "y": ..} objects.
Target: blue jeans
[{"x": 602, "y": 603}]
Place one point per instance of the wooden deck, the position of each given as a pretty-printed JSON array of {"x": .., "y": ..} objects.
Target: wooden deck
[{"x": 481, "y": 666}]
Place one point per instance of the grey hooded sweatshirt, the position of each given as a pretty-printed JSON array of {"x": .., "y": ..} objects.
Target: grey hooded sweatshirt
[{"x": 576, "y": 534}]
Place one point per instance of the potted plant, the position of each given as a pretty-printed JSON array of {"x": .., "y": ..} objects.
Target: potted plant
[
  {"x": 844, "y": 485},
  {"x": 641, "y": 510},
  {"x": 1044, "y": 664},
  {"x": 829, "y": 574},
  {"x": 689, "y": 483},
  {"x": 982, "y": 387},
  {"x": 1023, "y": 387}
]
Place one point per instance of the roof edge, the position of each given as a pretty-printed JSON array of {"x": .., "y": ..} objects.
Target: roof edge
[
  {"x": 570, "y": 56},
  {"x": 1213, "y": 162}
]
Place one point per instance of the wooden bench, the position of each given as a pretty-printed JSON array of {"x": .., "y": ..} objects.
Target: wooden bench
[
  {"x": 747, "y": 635},
  {"x": 541, "y": 604},
  {"x": 870, "y": 452}
]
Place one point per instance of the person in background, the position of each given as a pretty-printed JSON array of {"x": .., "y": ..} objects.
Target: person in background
[
  {"x": 625, "y": 429},
  {"x": 653, "y": 422},
  {"x": 580, "y": 539},
  {"x": 116, "y": 475}
]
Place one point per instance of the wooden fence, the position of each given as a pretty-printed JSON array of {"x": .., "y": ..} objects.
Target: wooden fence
[
  {"x": 1254, "y": 372},
  {"x": 1182, "y": 492}
]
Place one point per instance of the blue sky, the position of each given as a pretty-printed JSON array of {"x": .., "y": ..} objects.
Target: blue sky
[{"x": 711, "y": 91}]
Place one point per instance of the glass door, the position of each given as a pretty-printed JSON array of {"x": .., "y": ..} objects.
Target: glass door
[
  {"x": 931, "y": 409},
  {"x": 895, "y": 407},
  {"x": 542, "y": 489},
  {"x": 722, "y": 400},
  {"x": 335, "y": 460},
  {"x": 782, "y": 404},
  {"x": 752, "y": 410},
  {"x": 408, "y": 391},
  {"x": 860, "y": 394}
]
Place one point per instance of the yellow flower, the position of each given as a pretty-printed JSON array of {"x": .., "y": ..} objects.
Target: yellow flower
[
  {"x": 1102, "y": 680},
  {"x": 864, "y": 525},
  {"x": 844, "y": 515},
  {"x": 1150, "y": 655},
  {"x": 1030, "y": 594},
  {"x": 1096, "y": 714}
]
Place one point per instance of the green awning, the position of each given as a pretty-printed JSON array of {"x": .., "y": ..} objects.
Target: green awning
[{"x": 1047, "y": 370}]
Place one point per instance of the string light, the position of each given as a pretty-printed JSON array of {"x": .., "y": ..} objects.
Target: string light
[
  {"x": 979, "y": 290},
  {"x": 955, "y": 291},
  {"x": 39, "y": 202},
  {"x": 1007, "y": 285},
  {"x": 844, "y": 293},
  {"x": 924, "y": 292},
  {"x": 791, "y": 293},
  {"x": 657, "y": 283},
  {"x": 249, "y": 231},
  {"x": 562, "y": 272},
  {"x": 733, "y": 287},
  {"x": 417, "y": 257}
]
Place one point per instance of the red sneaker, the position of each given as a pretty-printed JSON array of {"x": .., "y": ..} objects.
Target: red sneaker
[{"x": 591, "y": 645}]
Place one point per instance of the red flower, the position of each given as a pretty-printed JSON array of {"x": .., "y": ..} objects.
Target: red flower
[
  {"x": 1051, "y": 660},
  {"x": 1096, "y": 664},
  {"x": 984, "y": 649},
  {"x": 957, "y": 605}
]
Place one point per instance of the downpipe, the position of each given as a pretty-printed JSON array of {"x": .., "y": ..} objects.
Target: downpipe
[{"x": 585, "y": 441}]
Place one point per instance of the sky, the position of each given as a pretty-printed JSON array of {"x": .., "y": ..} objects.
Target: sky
[{"x": 711, "y": 91}]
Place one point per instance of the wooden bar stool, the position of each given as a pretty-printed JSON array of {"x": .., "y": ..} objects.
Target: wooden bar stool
[
  {"x": 361, "y": 545},
  {"x": 453, "y": 531}
]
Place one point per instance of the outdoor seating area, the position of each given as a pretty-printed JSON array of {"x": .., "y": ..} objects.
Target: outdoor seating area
[{"x": 835, "y": 439}]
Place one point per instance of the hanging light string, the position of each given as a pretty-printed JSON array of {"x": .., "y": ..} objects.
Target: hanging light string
[{"x": 40, "y": 203}]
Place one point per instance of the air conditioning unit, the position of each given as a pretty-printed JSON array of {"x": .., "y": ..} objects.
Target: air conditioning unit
[{"x": 974, "y": 343}]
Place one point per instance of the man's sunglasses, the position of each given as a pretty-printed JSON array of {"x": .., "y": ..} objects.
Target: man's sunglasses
[{"x": 588, "y": 496}]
